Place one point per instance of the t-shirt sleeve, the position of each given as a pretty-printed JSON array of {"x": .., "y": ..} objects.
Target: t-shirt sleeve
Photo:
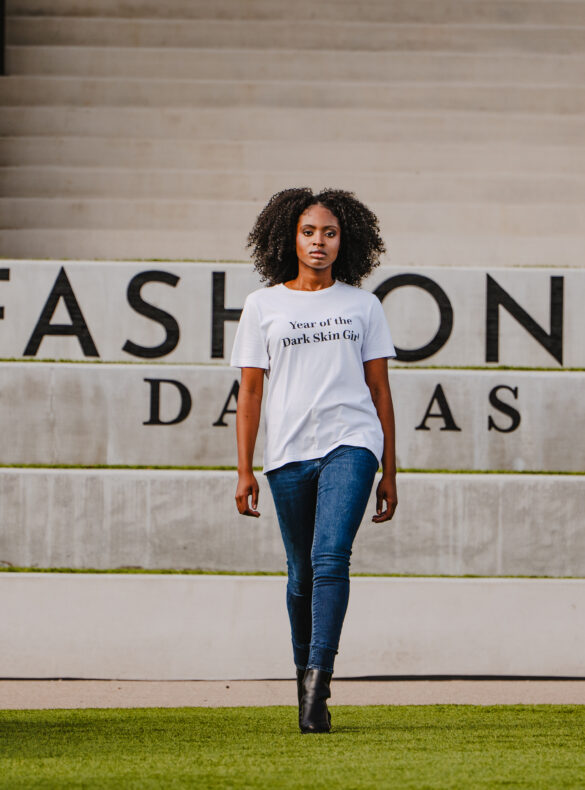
[
  {"x": 250, "y": 347},
  {"x": 378, "y": 340}
]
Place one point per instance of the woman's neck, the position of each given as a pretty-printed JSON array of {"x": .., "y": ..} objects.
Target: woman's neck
[{"x": 311, "y": 281}]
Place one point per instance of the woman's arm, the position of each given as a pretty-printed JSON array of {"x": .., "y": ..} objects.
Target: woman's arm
[
  {"x": 376, "y": 373},
  {"x": 247, "y": 422}
]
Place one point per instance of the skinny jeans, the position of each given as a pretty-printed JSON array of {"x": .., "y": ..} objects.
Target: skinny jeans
[{"x": 320, "y": 504}]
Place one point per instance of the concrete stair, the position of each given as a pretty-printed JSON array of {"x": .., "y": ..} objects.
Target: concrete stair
[
  {"x": 136, "y": 130},
  {"x": 510, "y": 12},
  {"x": 284, "y": 64},
  {"x": 269, "y": 33},
  {"x": 141, "y": 130},
  {"x": 453, "y": 161},
  {"x": 314, "y": 94},
  {"x": 116, "y": 518}
]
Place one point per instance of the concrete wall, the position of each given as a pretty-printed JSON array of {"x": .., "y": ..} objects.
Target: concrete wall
[
  {"x": 92, "y": 414},
  {"x": 158, "y": 132},
  {"x": 454, "y": 300},
  {"x": 486, "y": 525},
  {"x": 135, "y": 132},
  {"x": 206, "y": 627}
]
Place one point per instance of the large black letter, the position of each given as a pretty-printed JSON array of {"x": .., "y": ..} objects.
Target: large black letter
[
  {"x": 444, "y": 412},
  {"x": 136, "y": 301},
  {"x": 445, "y": 309},
  {"x": 62, "y": 290},
  {"x": 234, "y": 392},
  {"x": 155, "y": 402},
  {"x": 219, "y": 314},
  {"x": 496, "y": 296},
  {"x": 4, "y": 275},
  {"x": 505, "y": 408}
]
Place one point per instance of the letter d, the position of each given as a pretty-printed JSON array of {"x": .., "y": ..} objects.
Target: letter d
[{"x": 155, "y": 402}]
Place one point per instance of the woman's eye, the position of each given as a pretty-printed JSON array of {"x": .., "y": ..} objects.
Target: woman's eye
[{"x": 307, "y": 233}]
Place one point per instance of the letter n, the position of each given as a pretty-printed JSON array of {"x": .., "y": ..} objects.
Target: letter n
[{"x": 552, "y": 341}]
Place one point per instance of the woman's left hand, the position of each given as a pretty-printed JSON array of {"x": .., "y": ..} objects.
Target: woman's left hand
[{"x": 386, "y": 492}]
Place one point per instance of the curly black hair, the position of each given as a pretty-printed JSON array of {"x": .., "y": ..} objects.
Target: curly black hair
[{"x": 273, "y": 237}]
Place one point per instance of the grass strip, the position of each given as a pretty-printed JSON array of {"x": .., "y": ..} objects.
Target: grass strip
[
  {"x": 6, "y": 568},
  {"x": 228, "y": 468},
  {"x": 437, "y": 747}
]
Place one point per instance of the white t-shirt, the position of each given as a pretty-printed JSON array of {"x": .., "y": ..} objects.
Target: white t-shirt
[{"x": 312, "y": 345}]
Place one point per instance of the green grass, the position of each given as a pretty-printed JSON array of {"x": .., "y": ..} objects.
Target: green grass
[
  {"x": 6, "y": 568},
  {"x": 230, "y": 468},
  {"x": 415, "y": 747}
]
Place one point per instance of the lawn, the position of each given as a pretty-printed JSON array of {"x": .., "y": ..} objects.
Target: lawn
[{"x": 418, "y": 747}]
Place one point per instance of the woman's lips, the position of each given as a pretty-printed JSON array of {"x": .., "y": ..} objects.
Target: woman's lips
[{"x": 317, "y": 254}]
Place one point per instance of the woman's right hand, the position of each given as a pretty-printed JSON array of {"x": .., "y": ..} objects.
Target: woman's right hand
[{"x": 247, "y": 487}]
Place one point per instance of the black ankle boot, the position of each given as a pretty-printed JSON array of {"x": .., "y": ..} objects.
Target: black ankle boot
[
  {"x": 300, "y": 676},
  {"x": 315, "y": 716}
]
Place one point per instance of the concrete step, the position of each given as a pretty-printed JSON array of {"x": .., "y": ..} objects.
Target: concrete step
[
  {"x": 328, "y": 158},
  {"x": 94, "y": 414},
  {"x": 509, "y": 12},
  {"x": 431, "y": 96},
  {"x": 250, "y": 64},
  {"x": 204, "y": 337},
  {"x": 284, "y": 125},
  {"x": 437, "y": 219},
  {"x": 101, "y": 182},
  {"x": 271, "y": 34},
  {"x": 106, "y": 519},
  {"x": 406, "y": 249},
  {"x": 50, "y": 694},
  {"x": 178, "y": 627}
]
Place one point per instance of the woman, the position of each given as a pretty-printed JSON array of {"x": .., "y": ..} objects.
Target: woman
[{"x": 323, "y": 345}]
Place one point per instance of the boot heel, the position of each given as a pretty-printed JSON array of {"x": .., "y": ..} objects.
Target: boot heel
[
  {"x": 314, "y": 714},
  {"x": 300, "y": 676}
]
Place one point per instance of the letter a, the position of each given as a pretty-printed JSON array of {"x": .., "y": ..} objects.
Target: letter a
[
  {"x": 444, "y": 412},
  {"x": 61, "y": 290},
  {"x": 233, "y": 393}
]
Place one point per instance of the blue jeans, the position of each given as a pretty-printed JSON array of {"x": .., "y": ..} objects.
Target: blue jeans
[{"x": 320, "y": 504}]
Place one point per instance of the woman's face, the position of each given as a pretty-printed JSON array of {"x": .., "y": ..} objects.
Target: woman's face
[{"x": 318, "y": 238}]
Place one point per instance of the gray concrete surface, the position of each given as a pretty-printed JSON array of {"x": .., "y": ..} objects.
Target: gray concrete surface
[
  {"x": 463, "y": 159},
  {"x": 510, "y": 12},
  {"x": 407, "y": 248},
  {"x": 283, "y": 125},
  {"x": 273, "y": 33},
  {"x": 473, "y": 76},
  {"x": 176, "y": 214},
  {"x": 55, "y": 91},
  {"x": 41, "y": 694},
  {"x": 92, "y": 414},
  {"x": 179, "y": 627},
  {"x": 409, "y": 188},
  {"x": 285, "y": 64},
  {"x": 461, "y": 524}
]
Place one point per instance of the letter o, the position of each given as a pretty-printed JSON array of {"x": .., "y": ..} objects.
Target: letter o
[{"x": 445, "y": 310}]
